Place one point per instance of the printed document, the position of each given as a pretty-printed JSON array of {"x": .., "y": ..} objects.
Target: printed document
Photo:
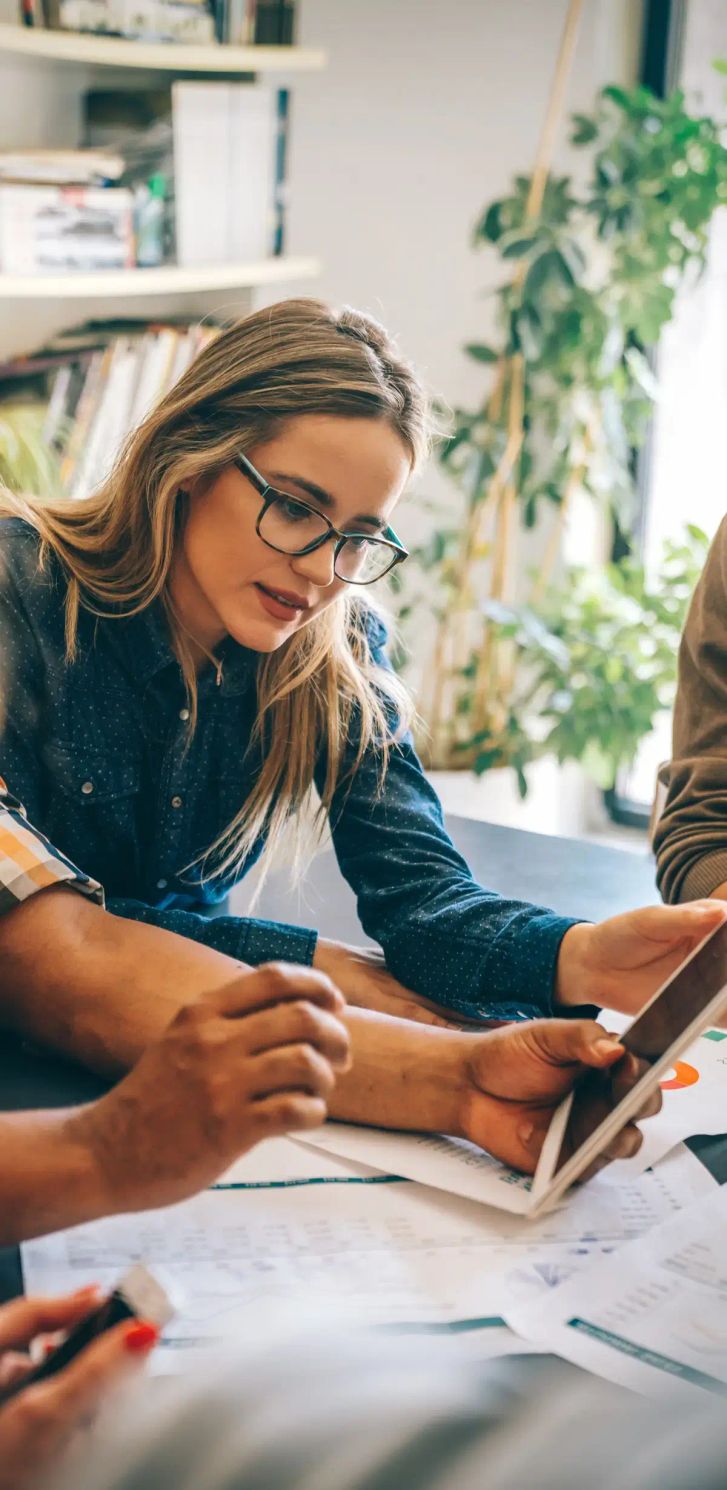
[
  {"x": 288, "y": 1222},
  {"x": 653, "y": 1317}
]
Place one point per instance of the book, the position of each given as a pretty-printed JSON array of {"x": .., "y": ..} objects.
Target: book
[
  {"x": 181, "y": 21},
  {"x": 46, "y": 229},
  {"x": 60, "y": 167},
  {"x": 224, "y": 169},
  {"x": 280, "y": 194},
  {"x": 275, "y": 23}
]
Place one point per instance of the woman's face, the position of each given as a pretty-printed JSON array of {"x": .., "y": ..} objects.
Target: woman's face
[{"x": 226, "y": 581}]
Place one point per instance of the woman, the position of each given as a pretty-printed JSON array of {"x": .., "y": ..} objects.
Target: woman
[{"x": 191, "y": 651}]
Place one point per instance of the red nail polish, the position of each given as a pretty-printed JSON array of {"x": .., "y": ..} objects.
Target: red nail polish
[{"x": 141, "y": 1336}]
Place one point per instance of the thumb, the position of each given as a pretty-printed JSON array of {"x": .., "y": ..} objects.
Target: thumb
[
  {"x": 573, "y": 1042},
  {"x": 691, "y": 921}
]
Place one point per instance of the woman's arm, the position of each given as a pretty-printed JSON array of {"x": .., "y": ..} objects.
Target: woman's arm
[
  {"x": 444, "y": 936},
  {"x": 690, "y": 838}
]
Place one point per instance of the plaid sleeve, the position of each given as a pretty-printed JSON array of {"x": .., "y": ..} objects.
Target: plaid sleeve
[{"x": 28, "y": 862}]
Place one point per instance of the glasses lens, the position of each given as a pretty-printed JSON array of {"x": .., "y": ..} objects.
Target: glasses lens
[
  {"x": 290, "y": 525},
  {"x": 363, "y": 560}
]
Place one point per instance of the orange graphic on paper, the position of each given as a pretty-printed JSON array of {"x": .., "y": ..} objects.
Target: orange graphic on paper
[{"x": 684, "y": 1075}]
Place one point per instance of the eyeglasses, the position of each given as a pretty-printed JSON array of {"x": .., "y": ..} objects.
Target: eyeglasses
[{"x": 291, "y": 526}]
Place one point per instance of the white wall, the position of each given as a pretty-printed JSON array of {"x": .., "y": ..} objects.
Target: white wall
[{"x": 426, "y": 110}]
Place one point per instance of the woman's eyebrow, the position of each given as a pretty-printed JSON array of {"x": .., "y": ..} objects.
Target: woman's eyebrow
[{"x": 323, "y": 497}]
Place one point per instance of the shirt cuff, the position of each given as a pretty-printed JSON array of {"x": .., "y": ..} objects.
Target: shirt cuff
[
  {"x": 274, "y": 941},
  {"x": 520, "y": 970},
  {"x": 29, "y": 863},
  {"x": 704, "y": 876}
]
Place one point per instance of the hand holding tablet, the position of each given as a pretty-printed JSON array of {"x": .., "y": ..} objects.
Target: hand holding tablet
[{"x": 688, "y": 1002}]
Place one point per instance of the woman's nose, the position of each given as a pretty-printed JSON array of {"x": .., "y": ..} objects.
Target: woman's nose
[{"x": 317, "y": 567}]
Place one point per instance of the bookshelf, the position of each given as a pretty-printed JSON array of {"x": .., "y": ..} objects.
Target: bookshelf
[
  {"x": 87, "y": 50},
  {"x": 171, "y": 279}
]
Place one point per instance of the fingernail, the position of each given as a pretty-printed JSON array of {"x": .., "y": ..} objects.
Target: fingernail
[
  {"x": 141, "y": 1336},
  {"x": 89, "y": 1291},
  {"x": 525, "y": 1134},
  {"x": 607, "y": 1044}
]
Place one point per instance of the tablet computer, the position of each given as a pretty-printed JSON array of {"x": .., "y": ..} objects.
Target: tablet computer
[{"x": 687, "y": 1003}]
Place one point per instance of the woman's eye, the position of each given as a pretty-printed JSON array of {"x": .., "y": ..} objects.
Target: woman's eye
[
  {"x": 358, "y": 544},
  {"x": 292, "y": 511}
]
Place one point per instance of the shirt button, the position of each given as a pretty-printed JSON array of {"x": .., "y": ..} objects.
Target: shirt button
[
  {"x": 184, "y": 715},
  {"x": 162, "y": 884},
  {"x": 87, "y": 788},
  {"x": 176, "y": 801}
]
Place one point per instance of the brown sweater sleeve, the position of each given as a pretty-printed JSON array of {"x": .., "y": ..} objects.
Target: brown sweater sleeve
[{"x": 690, "y": 839}]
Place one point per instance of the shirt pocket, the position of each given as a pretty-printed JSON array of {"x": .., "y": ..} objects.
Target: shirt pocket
[
  {"x": 95, "y": 813},
  {"x": 91, "y": 780}
]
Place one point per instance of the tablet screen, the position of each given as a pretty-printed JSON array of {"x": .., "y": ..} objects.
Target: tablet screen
[{"x": 652, "y": 1034}]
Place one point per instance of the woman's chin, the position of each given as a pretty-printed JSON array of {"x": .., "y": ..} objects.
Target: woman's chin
[{"x": 261, "y": 636}]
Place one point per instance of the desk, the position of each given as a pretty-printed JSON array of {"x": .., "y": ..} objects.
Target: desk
[{"x": 575, "y": 878}]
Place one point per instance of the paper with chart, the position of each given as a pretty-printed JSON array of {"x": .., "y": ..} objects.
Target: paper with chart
[
  {"x": 654, "y": 1317},
  {"x": 357, "y": 1244},
  {"x": 694, "y": 1097}
]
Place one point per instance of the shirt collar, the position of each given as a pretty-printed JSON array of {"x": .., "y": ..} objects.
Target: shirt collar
[{"x": 147, "y": 650}]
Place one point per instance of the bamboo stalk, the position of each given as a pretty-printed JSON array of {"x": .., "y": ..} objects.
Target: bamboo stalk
[{"x": 501, "y": 490}]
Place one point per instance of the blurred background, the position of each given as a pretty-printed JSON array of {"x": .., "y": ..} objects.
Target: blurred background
[{"x": 530, "y": 194}]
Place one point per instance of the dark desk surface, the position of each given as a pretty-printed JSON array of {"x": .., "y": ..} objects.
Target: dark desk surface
[{"x": 574, "y": 878}]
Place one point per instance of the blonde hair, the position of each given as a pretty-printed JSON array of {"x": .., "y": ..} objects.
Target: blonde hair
[{"x": 116, "y": 547}]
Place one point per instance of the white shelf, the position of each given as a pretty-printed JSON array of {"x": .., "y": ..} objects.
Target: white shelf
[
  {"x": 114, "y": 51},
  {"x": 169, "y": 280}
]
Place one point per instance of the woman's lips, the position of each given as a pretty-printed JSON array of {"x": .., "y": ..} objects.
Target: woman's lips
[{"x": 281, "y": 604}]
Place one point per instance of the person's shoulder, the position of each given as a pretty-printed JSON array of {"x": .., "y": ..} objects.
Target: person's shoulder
[
  {"x": 19, "y": 546},
  {"x": 31, "y": 580},
  {"x": 372, "y": 625}
]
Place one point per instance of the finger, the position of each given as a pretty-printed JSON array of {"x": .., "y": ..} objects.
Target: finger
[
  {"x": 21, "y": 1320},
  {"x": 290, "y": 1068},
  {"x": 570, "y": 1042},
  {"x": 630, "y": 1070},
  {"x": 288, "y": 1112},
  {"x": 624, "y": 1144},
  {"x": 13, "y": 1365},
  {"x": 688, "y": 922},
  {"x": 275, "y": 983},
  {"x": 77, "y": 1391},
  {"x": 298, "y": 1023}
]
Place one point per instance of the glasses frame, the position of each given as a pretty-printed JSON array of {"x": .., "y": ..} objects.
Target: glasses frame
[{"x": 270, "y": 494}]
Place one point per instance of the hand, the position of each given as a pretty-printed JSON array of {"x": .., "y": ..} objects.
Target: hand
[
  {"x": 366, "y": 983},
  {"x": 516, "y": 1077},
  {"x": 40, "y": 1422},
  {"x": 498, "y": 1088},
  {"x": 257, "y": 1059},
  {"x": 620, "y": 963}
]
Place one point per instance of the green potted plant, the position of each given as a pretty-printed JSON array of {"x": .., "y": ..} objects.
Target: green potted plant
[
  {"x": 26, "y": 462},
  {"x": 568, "y": 392}
]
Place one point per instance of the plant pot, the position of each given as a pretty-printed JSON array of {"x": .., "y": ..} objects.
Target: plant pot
[{"x": 561, "y": 799}]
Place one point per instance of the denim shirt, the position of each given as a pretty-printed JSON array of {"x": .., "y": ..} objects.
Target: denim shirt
[{"x": 98, "y": 749}]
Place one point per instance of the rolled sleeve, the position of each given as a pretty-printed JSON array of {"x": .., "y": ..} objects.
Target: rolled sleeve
[{"x": 29, "y": 862}]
